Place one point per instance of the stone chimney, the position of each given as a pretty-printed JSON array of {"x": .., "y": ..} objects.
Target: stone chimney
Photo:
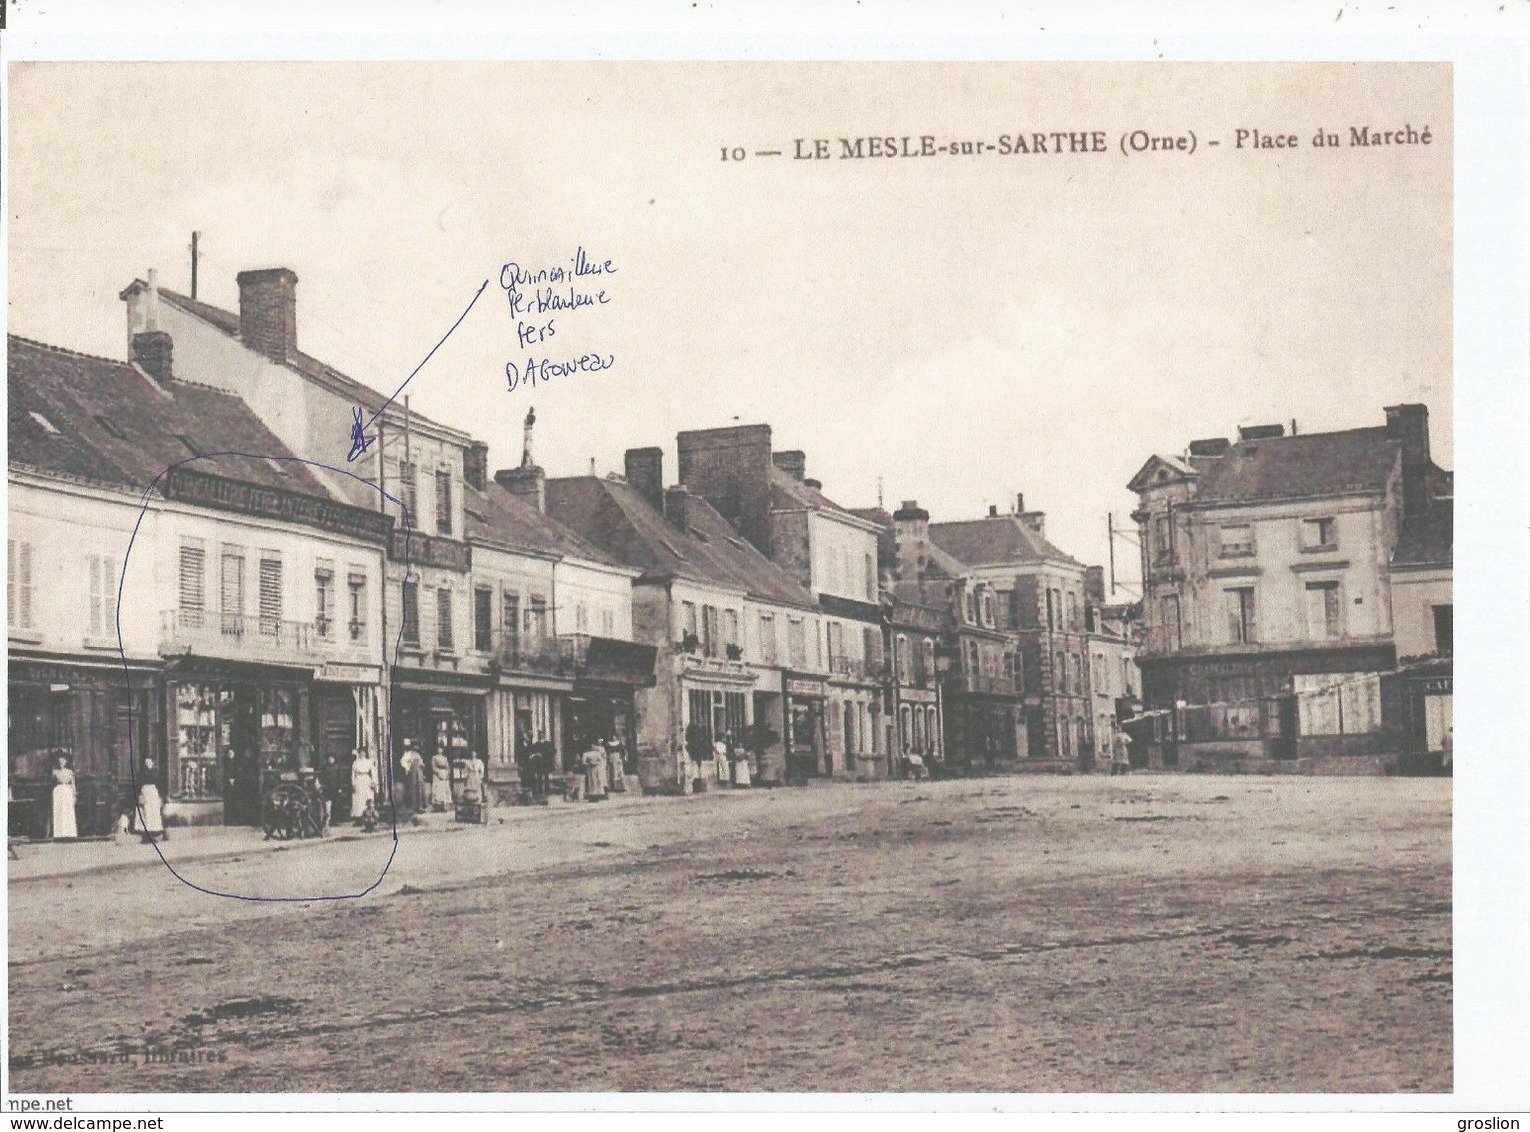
[
  {"x": 475, "y": 465},
  {"x": 993, "y": 510},
  {"x": 1409, "y": 426},
  {"x": 816, "y": 485},
  {"x": 678, "y": 502},
  {"x": 911, "y": 539},
  {"x": 730, "y": 469},
  {"x": 1261, "y": 432},
  {"x": 268, "y": 311},
  {"x": 644, "y": 469},
  {"x": 1212, "y": 446},
  {"x": 1094, "y": 584},
  {"x": 1019, "y": 502},
  {"x": 529, "y": 484},
  {"x": 792, "y": 463},
  {"x": 151, "y": 352}
]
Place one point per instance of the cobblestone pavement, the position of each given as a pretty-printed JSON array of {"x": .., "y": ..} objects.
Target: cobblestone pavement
[{"x": 1152, "y": 933}]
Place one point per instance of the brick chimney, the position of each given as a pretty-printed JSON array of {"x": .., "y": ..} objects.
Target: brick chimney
[
  {"x": 526, "y": 483},
  {"x": 792, "y": 463},
  {"x": 268, "y": 311},
  {"x": 1211, "y": 446},
  {"x": 475, "y": 465},
  {"x": 1409, "y": 426},
  {"x": 730, "y": 468},
  {"x": 911, "y": 539},
  {"x": 678, "y": 502},
  {"x": 644, "y": 468},
  {"x": 151, "y": 352}
]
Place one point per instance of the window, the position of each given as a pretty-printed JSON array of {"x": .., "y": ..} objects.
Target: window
[
  {"x": 18, "y": 589},
  {"x": 730, "y": 629},
  {"x": 483, "y": 618},
  {"x": 927, "y": 658},
  {"x": 357, "y": 587},
  {"x": 412, "y": 613},
  {"x": 871, "y": 649},
  {"x": 871, "y": 578},
  {"x": 1319, "y": 534},
  {"x": 1240, "y": 615},
  {"x": 689, "y": 628},
  {"x": 1168, "y": 617},
  {"x": 231, "y": 589},
  {"x": 1054, "y": 608},
  {"x": 608, "y": 621},
  {"x": 931, "y": 729},
  {"x": 1072, "y": 611},
  {"x": 1014, "y": 609},
  {"x": 536, "y": 619},
  {"x": 270, "y": 592},
  {"x": 1444, "y": 628},
  {"x": 1163, "y": 546},
  {"x": 1061, "y": 675},
  {"x": 510, "y": 607},
  {"x": 1009, "y": 667},
  {"x": 836, "y": 633},
  {"x": 711, "y": 636},
  {"x": 581, "y": 618},
  {"x": 988, "y": 611},
  {"x": 1236, "y": 540},
  {"x": 905, "y": 726},
  {"x": 1099, "y": 672},
  {"x": 193, "y": 571},
  {"x": 408, "y": 489},
  {"x": 767, "y": 639},
  {"x": 444, "y": 502},
  {"x": 831, "y": 562},
  {"x": 1323, "y": 610},
  {"x": 324, "y": 597},
  {"x": 103, "y": 597},
  {"x": 796, "y": 643},
  {"x": 444, "y": 640}
]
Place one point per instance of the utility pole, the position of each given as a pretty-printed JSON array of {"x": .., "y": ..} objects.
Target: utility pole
[{"x": 195, "y": 236}]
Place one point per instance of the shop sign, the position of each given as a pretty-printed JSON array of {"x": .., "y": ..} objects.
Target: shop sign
[
  {"x": 1434, "y": 685},
  {"x": 223, "y": 494},
  {"x": 429, "y": 550},
  {"x": 350, "y": 673},
  {"x": 814, "y": 688}
]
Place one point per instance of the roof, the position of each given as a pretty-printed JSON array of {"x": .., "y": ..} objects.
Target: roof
[
  {"x": 369, "y": 399},
  {"x": 788, "y": 493},
  {"x": 116, "y": 426},
  {"x": 1296, "y": 467},
  {"x": 616, "y": 517},
  {"x": 496, "y": 517},
  {"x": 1427, "y": 539},
  {"x": 995, "y": 539}
]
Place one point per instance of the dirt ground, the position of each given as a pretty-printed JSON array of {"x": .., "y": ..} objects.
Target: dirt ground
[{"x": 1153, "y": 933}]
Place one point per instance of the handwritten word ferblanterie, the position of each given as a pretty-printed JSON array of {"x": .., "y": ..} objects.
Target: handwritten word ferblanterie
[{"x": 539, "y": 296}]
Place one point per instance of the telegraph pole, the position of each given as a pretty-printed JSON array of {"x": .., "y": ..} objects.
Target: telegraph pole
[{"x": 195, "y": 236}]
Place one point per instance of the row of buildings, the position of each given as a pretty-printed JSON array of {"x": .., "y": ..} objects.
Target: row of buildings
[
  {"x": 191, "y": 596},
  {"x": 187, "y": 585}
]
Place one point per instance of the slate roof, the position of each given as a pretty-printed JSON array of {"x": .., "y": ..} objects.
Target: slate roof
[
  {"x": 1294, "y": 467},
  {"x": 1427, "y": 539},
  {"x": 496, "y": 517},
  {"x": 995, "y": 539},
  {"x": 788, "y": 493},
  {"x": 613, "y": 515},
  {"x": 310, "y": 367},
  {"x": 117, "y": 427}
]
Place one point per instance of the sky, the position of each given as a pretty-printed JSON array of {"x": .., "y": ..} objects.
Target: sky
[{"x": 955, "y": 329}]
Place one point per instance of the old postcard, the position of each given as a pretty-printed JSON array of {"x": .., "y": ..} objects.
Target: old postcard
[{"x": 714, "y": 577}]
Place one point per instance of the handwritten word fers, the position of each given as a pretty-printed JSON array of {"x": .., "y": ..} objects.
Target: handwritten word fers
[{"x": 546, "y": 369}]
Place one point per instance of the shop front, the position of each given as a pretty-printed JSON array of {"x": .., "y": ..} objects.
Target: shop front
[
  {"x": 101, "y": 716},
  {"x": 806, "y": 725},
  {"x": 1427, "y": 699},
  {"x": 439, "y": 714},
  {"x": 522, "y": 716},
  {"x": 233, "y": 727}
]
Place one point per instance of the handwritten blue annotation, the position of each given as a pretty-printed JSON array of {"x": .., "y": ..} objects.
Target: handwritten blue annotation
[{"x": 537, "y": 297}]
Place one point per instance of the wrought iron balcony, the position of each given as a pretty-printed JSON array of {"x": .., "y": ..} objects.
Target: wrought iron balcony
[
  {"x": 236, "y": 637},
  {"x": 980, "y": 684},
  {"x": 577, "y": 655}
]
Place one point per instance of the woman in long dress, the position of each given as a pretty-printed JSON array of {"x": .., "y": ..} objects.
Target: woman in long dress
[
  {"x": 472, "y": 787},
  {"x": 594, "y": 773},
  {"x": 741, "y": 768},
  {"x": 151, "y": 818},
  {"x": 412, "y": 773},
  {"x": 440, "y": 782},
  {"x": 363, "y": 782},
  {"x": 64, "y": 828}
]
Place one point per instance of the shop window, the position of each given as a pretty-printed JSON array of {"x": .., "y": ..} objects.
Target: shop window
[
  {"x": 483, "y": 618},
  {"x": 444, "y": 502},
  {"x": 324, "y": 597},
  {"x": 103, "y": 597},
  {"x": 1323, "y": 610},
  {"x": 197, "y": 742},
  {"x": 444, "y": 638},
  {"x": 18, "y": 589},
  {"x": 356, "y": 585},
  {"x": 411, "y": 628}
]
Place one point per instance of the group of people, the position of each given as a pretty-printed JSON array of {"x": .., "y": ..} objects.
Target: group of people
[
  {"x": 424, "y": 787},
  {"x": 603, "y": 769},
  {"x": 727, "y": 760}
]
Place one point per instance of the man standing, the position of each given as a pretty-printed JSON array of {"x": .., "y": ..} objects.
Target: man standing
[{"x": 1121, "y": 759}]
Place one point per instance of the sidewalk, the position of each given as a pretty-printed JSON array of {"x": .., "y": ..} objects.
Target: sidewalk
[{"x": 41, "y": 860}]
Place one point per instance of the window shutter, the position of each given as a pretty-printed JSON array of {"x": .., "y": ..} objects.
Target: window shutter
[
  {"x": 95, "y": 596},
  {"x": 193, "y": 560},
  {"x": 271, "y": 594},
  {"x": 444, "y": 618}
]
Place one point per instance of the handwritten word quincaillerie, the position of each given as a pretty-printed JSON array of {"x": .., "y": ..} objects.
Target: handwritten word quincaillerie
[{"x": 538, "y": 295}]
